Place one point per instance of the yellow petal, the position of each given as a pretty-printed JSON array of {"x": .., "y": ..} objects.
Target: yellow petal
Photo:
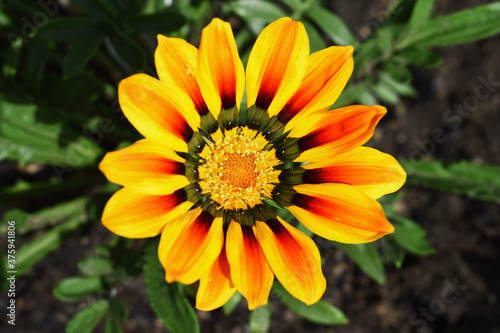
[
  {"x": 146, "y": 167},
  {"x": 250, "y": 271},
  {"x": 339, "y": 212},
  {"x": 369, "y": 170},
  {"x": 175, "y": 61},
  {"x": 220, "y": 71},
  {"x": 189, "y": 246},
  {"x": 216, "y": 287},
  {"x": 135, "y": 215},
  {"x": 277, "y": 65},
  {"x": 159, "y": 110},
  {"x": 327, "y": 74},
  {"x": 328, "y": 134},
  {"x": 294, "y": 259}
]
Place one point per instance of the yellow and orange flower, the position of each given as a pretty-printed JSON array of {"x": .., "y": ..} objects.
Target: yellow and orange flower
[{"x": 205, "y": 173}]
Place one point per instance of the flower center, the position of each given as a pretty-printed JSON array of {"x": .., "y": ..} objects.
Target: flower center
[
  {"x": 239, "y": 170},
  {"x": 236, "y": 171}
]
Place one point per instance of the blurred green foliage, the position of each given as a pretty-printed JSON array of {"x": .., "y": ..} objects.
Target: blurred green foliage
[{"x": 60, "y": 67}]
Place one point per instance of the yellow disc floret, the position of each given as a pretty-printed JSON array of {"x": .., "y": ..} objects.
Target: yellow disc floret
[{"x": 237, "y": 170}]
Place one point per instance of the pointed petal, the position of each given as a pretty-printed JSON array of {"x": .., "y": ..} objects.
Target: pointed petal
[
  {"x": 175, "y": 61},
  {"x": 339, "y": 212},
  {"x": 369, "y": 170},
  {"x": 146, "y": 167},
  {"x": 326, "y": 76},
  {"x": 216, "y": 287},
  {"x": 190, "y": 245},
  {"x": 220, "y": 71},
  {"x": 250, "y": 271},
  {"x": 277, "y": 65},
  {"x": 158, "y": 110},
  {"x": 135, "y": 215},
  {"x": 294, "y": 259},
  {"x": 327, "y": 134}
]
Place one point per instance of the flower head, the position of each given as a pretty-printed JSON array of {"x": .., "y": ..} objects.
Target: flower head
[{"x": 206, "y": 173}]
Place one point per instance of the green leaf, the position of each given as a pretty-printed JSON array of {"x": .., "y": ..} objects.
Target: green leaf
[
  {"x": 366, "y": 55},
  {"x": 80, "y": 54},
  {"x": 99, "y": 9},
  {"x": 319, "y": 312},
  {"x": 66, "y": 29},
  {"x": 95, "y": 266},
  {"x": 401, "y": 88},
  {"x": 315, "y": 40},
  {"x": 386, "y": 93},
  {"x": 366, "y": 97},
  {"x": 420, "y": 56},
  {"x": 30, "y": 133},
  {"x": 292, "y": 4},
  {"x": 158, "y": 23},
  {"x": 38, "y": 57},
  {"x": 333, "y": 25},
  {"x": 75, "y": 288},
  {"x": 88, "y": 318},
  {"x": 385, "y": 39},
  {"x": 167, "y": 299},
  {"x": 32, "y": 252},
  {"x": 411, "y": 236},
  {"x": 46, "y": 217},
  {"x": 260, "y": 319},
  {"x": 421, "y": 13},
  {"x": 11, "y": 61},
  {"x": 473, "y": 180},
  {"x": 232, "y": 303},
  {"x": 398, "y": 11},
  {"x": 19, "y": 216},
  {"x": 257, "y": 14},
  {"x": 127, "y": 49},
  {"x": 399, "y": 71},
  {"x": 390, "y": 202},
  {"x": 116, "y": 315},
  {"x": 461, "y": 27},
  {"x": 303, "y": 229},
  {"x": 367, "y": 258},
  {"x": 394, "y": 253},
  {"x": 350, "y": 94}
]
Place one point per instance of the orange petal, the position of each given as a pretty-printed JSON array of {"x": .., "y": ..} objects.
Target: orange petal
[
  {"x": 159, "y": 110},
  {"x": 327, "y": 134},
  {"x": 189, "y": 246},
  {"x": 369, "y": 170},
  {"x": 175, "y": 61},
  {"x": 340, "y": 212},
  {"x": 219, "y": 71},
  {"x": 216, "y": 287},
  {"x": 294, "y": 259},
  {"x": 277, "y": 65},
  {"x": 146, "y": 167},
  {"x": 135, "y": 215},
  {"x": 250, "y": 271},
  {"x": 326, "y": 76}
]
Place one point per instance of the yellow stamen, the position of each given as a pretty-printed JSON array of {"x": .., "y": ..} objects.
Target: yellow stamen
[{"x": 236, "y": 170}]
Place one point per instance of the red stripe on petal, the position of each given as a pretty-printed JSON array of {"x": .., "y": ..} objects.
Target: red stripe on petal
[
  {"x": 348, "y": 129},
  {"x": 190, "y": 245},
  {"x": 294, "y": 258},
  {"x": 135, "y": 215},
  {"x": 327, "y": 73},
  {"x": 250, "y": 271},
  {"x": 339, "y": 212}
]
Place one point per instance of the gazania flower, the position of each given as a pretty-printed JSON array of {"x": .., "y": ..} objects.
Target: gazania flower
[{"x": 206, "y": 172}]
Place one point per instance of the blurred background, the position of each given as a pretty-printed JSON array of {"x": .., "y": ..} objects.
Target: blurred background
[{"x": 434, "y": 65}]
